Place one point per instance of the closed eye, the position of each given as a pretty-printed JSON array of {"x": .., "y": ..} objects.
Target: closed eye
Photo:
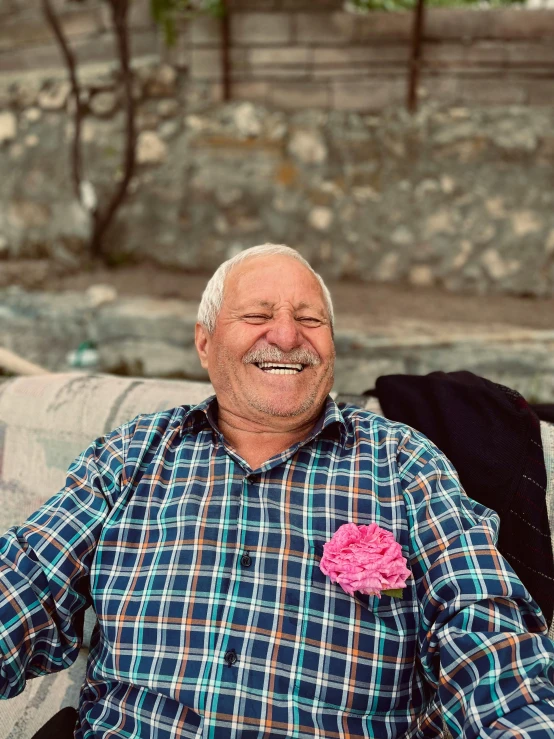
[
  {"x": 256, "y": 318},
  {"x": 309, "y": 321}
]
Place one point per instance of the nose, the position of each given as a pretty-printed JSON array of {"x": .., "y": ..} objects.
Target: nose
[{"x": 283, "y": 332}]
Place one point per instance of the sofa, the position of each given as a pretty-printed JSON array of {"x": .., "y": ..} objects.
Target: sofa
[{"x": 45, "y": 422}]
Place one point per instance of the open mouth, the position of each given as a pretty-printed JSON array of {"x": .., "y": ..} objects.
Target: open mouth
[{"x": 276, "y": 368}]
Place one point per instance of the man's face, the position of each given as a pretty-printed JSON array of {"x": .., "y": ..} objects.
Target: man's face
[{"x": 271, "y": 353}]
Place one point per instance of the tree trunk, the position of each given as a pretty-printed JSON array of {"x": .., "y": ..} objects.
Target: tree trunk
[
  {"x": 104, "y": 217},
  {"x": 71, "y": 64},
  {"x": 416, "y": 55}
]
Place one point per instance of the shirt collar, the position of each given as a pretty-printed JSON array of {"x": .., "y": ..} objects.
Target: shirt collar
[
  {"x": 330, "y": 423},
  {"x": 201, "y": 415}
]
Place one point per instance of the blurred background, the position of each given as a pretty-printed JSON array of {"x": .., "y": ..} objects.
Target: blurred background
[{"x": 405, "y": 149}]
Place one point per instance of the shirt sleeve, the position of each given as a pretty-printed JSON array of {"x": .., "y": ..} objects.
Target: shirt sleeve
[
  {"x": 482, "y": 641},
  {"x": 45, "y": 566}
]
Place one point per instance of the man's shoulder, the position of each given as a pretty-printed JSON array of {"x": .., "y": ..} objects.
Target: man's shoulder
[
  {"x": 154, "y": 424},
  {"x": 364, "y": 418},
  {"x": 364, "y": 423}
]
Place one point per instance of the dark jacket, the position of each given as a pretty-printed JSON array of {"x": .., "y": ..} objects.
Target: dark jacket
[{"x": 492, "y": 436}]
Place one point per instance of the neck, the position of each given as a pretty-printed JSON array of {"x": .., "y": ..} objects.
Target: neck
[{"x": 258, "y": 440}]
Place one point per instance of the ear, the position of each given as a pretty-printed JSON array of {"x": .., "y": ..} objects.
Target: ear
[{"x": 202, "y": 341}]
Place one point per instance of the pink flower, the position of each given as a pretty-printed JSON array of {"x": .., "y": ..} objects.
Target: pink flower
[{"x": 366, "y": 559}]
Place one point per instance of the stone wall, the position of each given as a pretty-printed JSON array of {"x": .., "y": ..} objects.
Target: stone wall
[
  {"x": 27, "y": 46},
  {"x": 300, "y": 53},
  {"x": 458, "y": 196}
]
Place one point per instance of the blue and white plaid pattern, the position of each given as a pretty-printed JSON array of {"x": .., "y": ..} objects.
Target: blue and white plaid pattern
[{"x": 215, "y": 620}]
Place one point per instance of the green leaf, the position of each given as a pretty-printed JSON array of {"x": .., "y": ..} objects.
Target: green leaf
[
  {"x": 157, "y": 9},
  {"x": 167, "y": 13},
  {"x": 170, "y": 32},
  {"x": 397, "y": 593}
]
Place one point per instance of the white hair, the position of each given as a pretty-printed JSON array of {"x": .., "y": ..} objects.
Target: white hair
[{"x": 212, "y": 297}]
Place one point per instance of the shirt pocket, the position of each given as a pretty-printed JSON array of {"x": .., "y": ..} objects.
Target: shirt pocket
[{"x": 358, "y": 656}]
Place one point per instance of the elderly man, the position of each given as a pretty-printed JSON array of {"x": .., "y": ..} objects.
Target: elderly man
[{"x": 197, "y": 535}]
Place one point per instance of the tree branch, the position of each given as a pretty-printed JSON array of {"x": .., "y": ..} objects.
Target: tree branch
[
  {"x": 415, "y": 55},
  {"x": 71, "y": 64},
  {"x": 225, "y": 54},
  {"x": 103, "y": 218}
]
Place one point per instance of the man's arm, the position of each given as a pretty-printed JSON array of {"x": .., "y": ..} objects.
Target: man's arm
[
  {"x": 482, "y": 640},
  {"x": 45, "y": 566}
]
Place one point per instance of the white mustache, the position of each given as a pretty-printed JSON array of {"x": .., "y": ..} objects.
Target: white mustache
[{"x": 273, "y": 354}]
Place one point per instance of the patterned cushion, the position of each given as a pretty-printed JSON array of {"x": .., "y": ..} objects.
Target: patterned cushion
[{"x": 45, "y": 422}]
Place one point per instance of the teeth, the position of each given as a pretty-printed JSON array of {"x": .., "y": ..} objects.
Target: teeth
[{"x": 277, "y": 366}]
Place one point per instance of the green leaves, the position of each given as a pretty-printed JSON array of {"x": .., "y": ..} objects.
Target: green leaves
[
  {"x": 166, "y": 13},
  {"x": 393, "y": 593}
]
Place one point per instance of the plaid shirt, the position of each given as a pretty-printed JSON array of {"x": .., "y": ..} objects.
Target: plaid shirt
[{"x": 215, "y": 620}]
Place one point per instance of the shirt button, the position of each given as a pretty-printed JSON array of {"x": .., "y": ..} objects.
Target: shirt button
[
  {"x": 230, "y": 657},
  {"x": 246, "y": 560},
  {"x": 253, "y": 479}
]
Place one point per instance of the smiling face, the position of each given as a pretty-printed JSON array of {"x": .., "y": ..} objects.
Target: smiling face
[{"x": 271, "y": 354}]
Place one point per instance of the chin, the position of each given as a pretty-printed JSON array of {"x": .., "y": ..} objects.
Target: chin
[{"x": 282, "y": 409}]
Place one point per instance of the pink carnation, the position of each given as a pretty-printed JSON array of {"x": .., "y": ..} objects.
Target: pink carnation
[{"x": 364, "y": 558}]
